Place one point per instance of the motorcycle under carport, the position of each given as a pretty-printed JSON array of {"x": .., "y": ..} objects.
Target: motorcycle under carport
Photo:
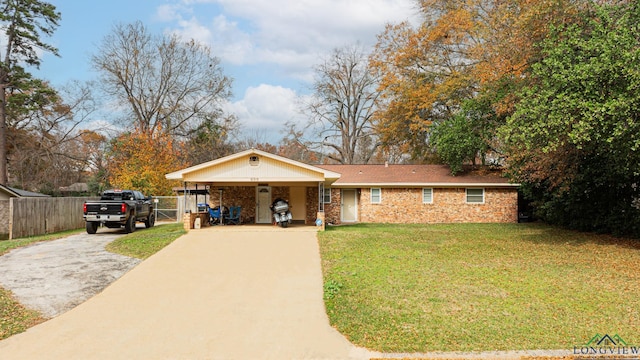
[{"x": 281, "y": 214}]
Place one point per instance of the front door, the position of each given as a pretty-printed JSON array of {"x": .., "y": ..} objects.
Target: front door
[
  {"x": 263, "y": 201},
  {"x": 298, "y": 202},
  {"x": 349, "y": 205}
]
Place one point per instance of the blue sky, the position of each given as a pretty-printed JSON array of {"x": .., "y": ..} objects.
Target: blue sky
[{"x": 268, "y": 47}]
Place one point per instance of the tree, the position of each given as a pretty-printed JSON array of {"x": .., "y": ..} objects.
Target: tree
[
  {"x": 139, "y": 161},
  {"x": 211, "y": 140},
  {"x": 344, "y": 103},
  {"x": 44, "y": 150},
  {"x": 23, "y": 23},
  {"x": 574, "y": 139},
  {"x": 163, "y": 83},
  {"x": 462, "y": 50},
  {"x": 94, "y": 145}
]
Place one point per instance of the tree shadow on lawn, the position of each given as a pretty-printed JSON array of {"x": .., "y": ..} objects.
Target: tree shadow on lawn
[{"x": 542, "y": 233}]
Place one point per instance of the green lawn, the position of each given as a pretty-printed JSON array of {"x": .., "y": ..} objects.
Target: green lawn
[
  {"x": 145, "y": 242},
  {"x": 473, "y": 287}
]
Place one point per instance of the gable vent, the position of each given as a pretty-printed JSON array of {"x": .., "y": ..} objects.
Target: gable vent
[{"x": 254, "y": 160}]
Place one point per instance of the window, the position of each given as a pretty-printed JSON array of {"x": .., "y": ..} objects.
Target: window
[
  {"x": 475, "y": 196},
  {"x": 376, "y": 195},
  {"x": 326, "y": 198},
  {"x": 427, "y": 196}
]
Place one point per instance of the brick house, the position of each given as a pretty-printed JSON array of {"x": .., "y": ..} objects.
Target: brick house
[{"x": 351, "y": 193}]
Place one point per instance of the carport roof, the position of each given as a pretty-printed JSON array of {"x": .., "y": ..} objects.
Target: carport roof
[{"x": 238, "y": 168}]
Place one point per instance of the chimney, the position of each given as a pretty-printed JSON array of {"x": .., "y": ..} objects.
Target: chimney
[{"x": 386, "y": 164}]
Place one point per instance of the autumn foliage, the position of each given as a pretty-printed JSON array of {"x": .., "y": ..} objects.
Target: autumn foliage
[
  {"x": 462, "y": 50},
  {"x": 139, "y": 161}
]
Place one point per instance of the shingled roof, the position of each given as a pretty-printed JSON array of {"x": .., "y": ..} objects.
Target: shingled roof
[{"x": 413, "y": 175}]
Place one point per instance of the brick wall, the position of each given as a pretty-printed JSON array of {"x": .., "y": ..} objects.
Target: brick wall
[
  {"x": 398, "y": 205},
  {"x": 245, "y": 196},
  {"x": 449, "y": 206},
  {"x": 312, "y": 204}
]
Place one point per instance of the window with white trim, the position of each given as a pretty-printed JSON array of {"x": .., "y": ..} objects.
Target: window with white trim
[
  {"x": 327, "y": 196},
  {"x": 475, "y": 196},
  {"x": 376, "y": 195},
  {"x": 427, "y": 196}
]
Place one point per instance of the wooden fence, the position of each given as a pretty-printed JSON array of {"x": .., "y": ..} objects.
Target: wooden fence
[
  {"x": 38, "y": 216},
  {"x": 23, "y": 217}
]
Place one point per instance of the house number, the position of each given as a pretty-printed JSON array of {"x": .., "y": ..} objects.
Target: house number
[{"x": 254, "y": 179}]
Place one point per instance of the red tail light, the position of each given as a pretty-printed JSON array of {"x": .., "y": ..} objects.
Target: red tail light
[
  {"x": 84, "y": 208},
  {"x": 123, "y": 208}
]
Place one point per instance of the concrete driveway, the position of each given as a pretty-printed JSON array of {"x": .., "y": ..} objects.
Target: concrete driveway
[
  {"x": 211, "y": 294},
  {"x": 55, "y": 276}
]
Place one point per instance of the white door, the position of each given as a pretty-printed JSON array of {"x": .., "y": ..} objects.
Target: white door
[
  {"x": 349, "y": 205},
  {"x": 263, "y": 201}
]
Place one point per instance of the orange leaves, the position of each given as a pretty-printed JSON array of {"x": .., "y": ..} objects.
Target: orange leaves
[
  {"x": 463, "y": 48},
  {"x": 140, "y": 161}
]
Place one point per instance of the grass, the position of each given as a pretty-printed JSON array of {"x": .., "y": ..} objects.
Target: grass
[
  {"x": 15, "y": 318},
  {"x": 144, "y": 243},
  {"x": 479, "y": 287}
]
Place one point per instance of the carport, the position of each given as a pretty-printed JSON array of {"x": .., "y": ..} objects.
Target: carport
[{"x": 252, "y": 179}]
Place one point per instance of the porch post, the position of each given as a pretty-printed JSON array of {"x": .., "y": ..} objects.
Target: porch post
[{"x": 320, "y": 222}]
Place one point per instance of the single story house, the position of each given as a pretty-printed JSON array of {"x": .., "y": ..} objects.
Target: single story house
[{"x": 339, "y": 194}]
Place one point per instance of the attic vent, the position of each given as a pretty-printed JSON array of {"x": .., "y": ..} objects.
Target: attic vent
[{"x": 254, "y": 160}]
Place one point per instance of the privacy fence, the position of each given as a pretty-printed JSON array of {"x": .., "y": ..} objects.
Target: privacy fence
[{"x": 24, "y": 217}]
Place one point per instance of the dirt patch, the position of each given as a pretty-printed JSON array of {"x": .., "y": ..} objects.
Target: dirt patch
[{"x": 55, "y": 276}]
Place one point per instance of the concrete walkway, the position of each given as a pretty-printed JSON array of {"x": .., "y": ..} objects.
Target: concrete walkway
[{"x": 215, "y": 293}]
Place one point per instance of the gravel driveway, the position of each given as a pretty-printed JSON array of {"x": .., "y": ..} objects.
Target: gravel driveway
[{"x": 55, "y": 276}]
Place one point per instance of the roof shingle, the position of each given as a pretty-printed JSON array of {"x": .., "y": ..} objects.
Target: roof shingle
[{"x": 412, "y": 175}]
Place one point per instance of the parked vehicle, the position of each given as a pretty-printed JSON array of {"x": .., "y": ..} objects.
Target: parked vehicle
[
  {"x": 281, "y": 213},
  {"x": 118, "y": 208}
]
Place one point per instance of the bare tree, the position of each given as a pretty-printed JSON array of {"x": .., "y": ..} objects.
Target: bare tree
[
  {"x": 163, "y": 82},
  {"x": 344, "y": 103},
  {"x": 44, "y": 136}
]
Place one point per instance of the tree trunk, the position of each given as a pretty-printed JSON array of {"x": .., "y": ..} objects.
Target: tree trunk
[{"x": 3, "y": 136}]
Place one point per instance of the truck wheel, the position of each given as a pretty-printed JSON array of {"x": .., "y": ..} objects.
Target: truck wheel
[
  {"x": 150, "y": 220},
  {"x": 92, "y": 227},
  {"x": 130, "y": 226}
]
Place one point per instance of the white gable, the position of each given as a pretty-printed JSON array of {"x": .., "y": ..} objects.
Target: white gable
[{"x": 252, "y": 166}]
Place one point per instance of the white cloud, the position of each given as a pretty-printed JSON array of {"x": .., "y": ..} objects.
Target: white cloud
[
  {"x": 267, "y": 109},
  {"x": 292, "y": 34},
  {"x": 279, "y": 42}
]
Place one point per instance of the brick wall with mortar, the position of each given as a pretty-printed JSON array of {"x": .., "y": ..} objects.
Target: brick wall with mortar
[
  {"x": 312, "y": 205},
  {"x": 404, "y": 205},
  {"x": 332, "y": 210},
  {"x": 245, "y": 196}
]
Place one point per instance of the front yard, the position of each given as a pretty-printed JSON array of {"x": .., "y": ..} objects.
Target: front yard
[{"x": 474, "y": 287}]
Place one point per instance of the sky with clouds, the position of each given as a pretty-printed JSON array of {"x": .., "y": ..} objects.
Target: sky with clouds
[{"x": 269, "y": 48}]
